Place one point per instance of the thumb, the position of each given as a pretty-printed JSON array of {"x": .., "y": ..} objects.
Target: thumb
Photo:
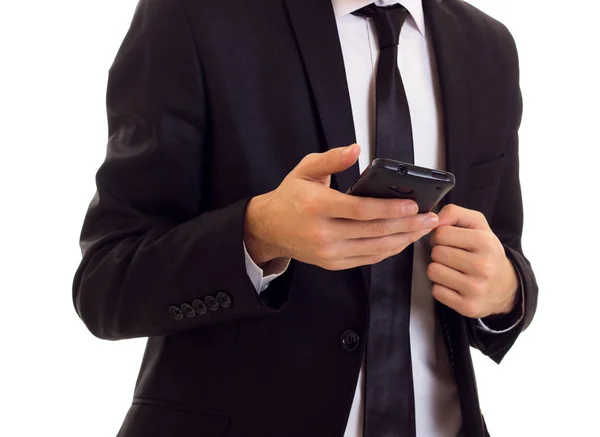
[
  {"x": 454, "y": 215},
  {"x": 319, "y": 166}
]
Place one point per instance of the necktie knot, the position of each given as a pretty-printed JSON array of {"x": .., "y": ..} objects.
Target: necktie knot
[{"x": 388, "y": 22}]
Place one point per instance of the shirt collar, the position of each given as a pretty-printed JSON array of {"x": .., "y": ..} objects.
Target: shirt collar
[{"x": 415, "y": 7}]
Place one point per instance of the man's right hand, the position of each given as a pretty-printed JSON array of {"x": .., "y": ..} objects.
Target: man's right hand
[{"x": 306, "y": 220}]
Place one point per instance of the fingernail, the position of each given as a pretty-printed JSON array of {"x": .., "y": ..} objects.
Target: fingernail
[
  {"x": 426, "y": 231},
  {"x": 411, "y": 208},
  {"x": 347, "y": 151},
  {"x": 431, "y": 221}
]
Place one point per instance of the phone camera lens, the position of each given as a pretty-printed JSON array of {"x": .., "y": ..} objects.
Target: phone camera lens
[{"x": 401, "y": 169}]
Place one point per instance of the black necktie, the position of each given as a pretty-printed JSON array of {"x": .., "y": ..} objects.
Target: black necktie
[{"x": 389, "y": 394}]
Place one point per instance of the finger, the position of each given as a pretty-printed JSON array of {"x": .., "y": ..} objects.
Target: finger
[
  {"x": 448, "y": 297},
  {"x": 454, "y": 215},
  {"x": 363, "y": 260},
  {"x": 319, "y": 166},
  {"x": 472, "y": 240},
  {"x": 339, "y": 205},
  {"x": 457, "y": 259},
  {"x": 381, "y": 247},
  {"x": 351, "y": 263},
  {"x": 448, "y": 277},
  {"x": 352, "y": 229}
]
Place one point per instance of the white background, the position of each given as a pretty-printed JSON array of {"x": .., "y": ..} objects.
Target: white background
[{"x": 57, "y": 379}]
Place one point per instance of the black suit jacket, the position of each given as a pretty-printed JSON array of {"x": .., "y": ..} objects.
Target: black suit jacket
[{"x": 211, "y": 103}]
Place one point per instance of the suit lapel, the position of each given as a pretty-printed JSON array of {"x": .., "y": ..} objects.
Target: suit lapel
[
  {"x": 314, "y": 25},
  {"x": 450, "y": 45}
]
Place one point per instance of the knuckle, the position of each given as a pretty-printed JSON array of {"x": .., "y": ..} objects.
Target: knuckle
[
  {"x": 486, "y": 241},
  {"x": 380, "y": 249},
  {"x": 326, "y": 253},
  {"x": 477, "y": 288},
  {"x": 452, "y": 208},
  {"x": 310, "y": 158},
  {"x": 485, "y": 268},
  {"x": 321, "y": 236},
  {"x": 378, "y": 228},
  {"x": 358, "y": 210},
  {"x": 496, "y": 244},
  {"x": 306, "y": 162},
  {"x": 310, "y": 205},
  {"x": 490, "y": 245}
]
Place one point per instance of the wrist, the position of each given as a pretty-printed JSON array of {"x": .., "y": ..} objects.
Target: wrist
[
  {"x": 512, "y": 300},
  {"x": 256, "y": 235},
  {"x": 508, "y": 306}
]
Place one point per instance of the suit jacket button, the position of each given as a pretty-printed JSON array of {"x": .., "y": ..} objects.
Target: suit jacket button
[
  {"x": 211, "y": 303},
  {"x": 224, "y": 300},
  {"x": 199, "y": 306},
  {"x": 350, "y": 340},
  {"x": 176, "y": 313},
  {"x": 187, "y": 310}
]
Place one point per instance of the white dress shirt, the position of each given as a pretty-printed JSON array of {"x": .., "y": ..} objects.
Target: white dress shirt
[{"x": 437, "y": 407}]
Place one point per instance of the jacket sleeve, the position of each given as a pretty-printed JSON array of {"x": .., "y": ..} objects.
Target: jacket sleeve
[
  {"x": 507, "y": 224},
  {"x": 155, "y": 261}
]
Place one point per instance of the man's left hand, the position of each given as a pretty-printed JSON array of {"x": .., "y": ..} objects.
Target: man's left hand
[{"x": 469, "y": 268}]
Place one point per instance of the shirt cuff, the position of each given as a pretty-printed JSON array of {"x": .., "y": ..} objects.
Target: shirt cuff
[
  {"x": 272, "y": 270},
  {"x": 521, "y": 302}
]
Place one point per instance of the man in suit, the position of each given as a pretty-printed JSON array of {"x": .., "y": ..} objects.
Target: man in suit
[{"x": 222, "y": 232}]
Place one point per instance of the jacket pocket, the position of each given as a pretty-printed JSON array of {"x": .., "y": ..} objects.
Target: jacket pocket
[
  {"x": 484, "y": 181},
  {"x": 484, "y": 174},
  {"x": 148, "y": 418}
]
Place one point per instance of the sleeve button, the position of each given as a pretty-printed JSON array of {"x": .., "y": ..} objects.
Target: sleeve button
[
  {"x": 224, "y": 300},
  {"x": 176, "y": 313},
  {"x": 199, "y": 306},
  {"x": 187, "y": 310},
  {"x": 211, "y": 303}
]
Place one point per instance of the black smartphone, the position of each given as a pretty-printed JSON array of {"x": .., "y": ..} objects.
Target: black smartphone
[{"x": 389, "y": 179}]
